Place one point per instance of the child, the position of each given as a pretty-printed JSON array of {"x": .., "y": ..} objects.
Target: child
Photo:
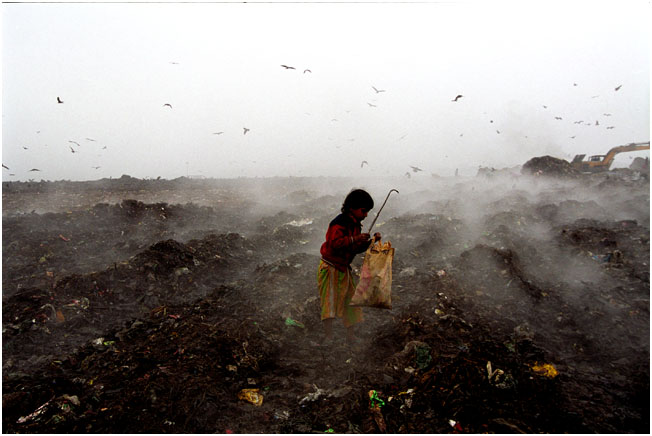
[{"x": 344, "y": 239}]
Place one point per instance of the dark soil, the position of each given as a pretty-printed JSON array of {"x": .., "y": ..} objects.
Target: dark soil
[{"x": 147, "y": 306}]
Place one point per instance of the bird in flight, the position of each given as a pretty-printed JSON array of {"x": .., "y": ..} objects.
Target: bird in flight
[
  {"x": 597, "y": 123},
  {"x": 371, "y": 105},
  {"x": 617, "y": 87},
  {"x": 59, "y": 100},
  {"x": 104, "y": 148},
  {"x": 558, "y": 118},
  {"x": 96, "y": 168},
  {"x": 217, "y": 133},
  {"x": 90, "y": 139},
  {"x": 72, "y": 150},
  {"x": 25, "y": 148},
  {"x": 288, "y": 68},
  {"x": 607, "y": 115},
  {"x": 610, "y": 127},
  {"x": 578, "y": 122},
  {"x": 361, "y": 165},
  {"x": 545, "y": 107},
  {"x": 5, "y": 166},
  {"x": 574, "y": 84},
  {"x": 457, "y": 97},
  {"x": 498, "y": 131},
  {"x": 572, "y": 137},
  {"x": 73, "y": 142},
  {"x": 415, "y": 169},
  {"x": 408, "y": 175},
  {"x": 245, "y": 130},
  {"x": 378, "y": 90},
  {"x": 306, "y": 71},
  {"x": 174, "y": 63},
  {"x": 168, "y": 104},
  {"x": 34, "y": 169}
]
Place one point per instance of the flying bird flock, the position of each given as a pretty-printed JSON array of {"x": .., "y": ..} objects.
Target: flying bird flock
[{"x": 378, "y": 92}]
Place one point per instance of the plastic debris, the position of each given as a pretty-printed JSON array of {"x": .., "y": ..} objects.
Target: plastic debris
[
  {"x": 375, "y": 403},
  {"x": 455, "y": 424},
  {"x": 34, "y": 414},
  {"x": 375, "y": 400},
  {"x": 292, "y": 322},
  {"x": 499, "y": 378},
  {"x": 546, "y": 369},
  {"x": 63, "y": 237},
  {"x": 251, "y": 395},
  {"x": 313, "y": 395}
]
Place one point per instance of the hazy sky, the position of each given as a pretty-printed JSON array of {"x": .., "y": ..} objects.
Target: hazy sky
[{"x": 115, "y": 66}]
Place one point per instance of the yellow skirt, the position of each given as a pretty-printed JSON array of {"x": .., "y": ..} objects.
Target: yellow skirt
[{"x": 335, "y": 291}]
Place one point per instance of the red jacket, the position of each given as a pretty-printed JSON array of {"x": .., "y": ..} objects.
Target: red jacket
[{"x": 339, "y": 248}]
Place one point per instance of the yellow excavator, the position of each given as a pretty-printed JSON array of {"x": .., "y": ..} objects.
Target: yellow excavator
[{"x": 602, "y": 162}]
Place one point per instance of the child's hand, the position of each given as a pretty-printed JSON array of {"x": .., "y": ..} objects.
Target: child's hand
[{"x": 361, "y": 238}]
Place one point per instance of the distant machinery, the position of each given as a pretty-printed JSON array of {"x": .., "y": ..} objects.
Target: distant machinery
[{"x": 602, "y": 162}]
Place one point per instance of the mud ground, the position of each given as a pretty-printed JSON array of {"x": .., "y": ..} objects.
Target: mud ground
[{"x": 520, "y": 304}]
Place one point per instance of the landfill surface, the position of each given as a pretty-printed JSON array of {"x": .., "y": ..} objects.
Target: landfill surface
[{"x": 520, "y": 304}]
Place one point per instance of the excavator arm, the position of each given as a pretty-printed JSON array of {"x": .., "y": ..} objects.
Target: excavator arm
[
  {"x": 609, "y": 157},
  {"x": 599, "y": 163}
]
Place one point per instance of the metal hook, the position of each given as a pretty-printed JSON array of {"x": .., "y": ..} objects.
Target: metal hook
[{"x": 381, "y": 208}]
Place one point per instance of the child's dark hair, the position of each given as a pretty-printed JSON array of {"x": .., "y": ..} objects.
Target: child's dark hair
[{"x": 356, "y": 199}]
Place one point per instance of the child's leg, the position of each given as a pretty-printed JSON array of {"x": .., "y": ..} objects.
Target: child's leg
[
  {"x": 350, "y": 334},
  {"x": 328, "y": 328}
]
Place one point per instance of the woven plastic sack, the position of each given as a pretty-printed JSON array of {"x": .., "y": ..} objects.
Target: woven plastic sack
[{"x": 375, "y": 286}]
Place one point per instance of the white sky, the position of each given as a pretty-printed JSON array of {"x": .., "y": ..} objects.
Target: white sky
[{"x": 219, "y": 65}]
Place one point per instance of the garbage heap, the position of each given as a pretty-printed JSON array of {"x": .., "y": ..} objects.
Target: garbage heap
[{"x": 549, "y": 166}]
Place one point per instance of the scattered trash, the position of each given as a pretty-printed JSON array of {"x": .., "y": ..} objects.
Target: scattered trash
[
  {"x": 330, "y": 430},
  {"x": 72, "y": 398},
  {"x": 546, "y": 369},
  {"x": 455, "y": 424},
  {"x": 498, "y": 378},
  {"x": 313, "y": 395},
  {"x": 375, "y": 403},
  {"x": 291, "y": 322},
  {"x": 441, "y": 273},
  {"x": 283, "y": 414},
  {"x": 251, "y": 395},
  {"x": 63, "y": 238},
  {"x": 34, "y": 414}
]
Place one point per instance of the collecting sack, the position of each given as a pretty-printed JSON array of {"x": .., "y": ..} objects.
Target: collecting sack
[{"x": 375, "y": 286}]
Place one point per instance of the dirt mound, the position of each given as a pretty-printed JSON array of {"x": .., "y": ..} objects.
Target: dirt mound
[{"x": 549, "y": 166}]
